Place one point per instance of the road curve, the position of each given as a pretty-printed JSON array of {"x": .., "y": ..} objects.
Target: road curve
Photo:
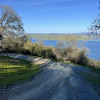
[{"x": 58, "y": 81}]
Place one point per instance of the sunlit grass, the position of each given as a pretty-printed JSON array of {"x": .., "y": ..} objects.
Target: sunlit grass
[{"x": 14, "y": 70}]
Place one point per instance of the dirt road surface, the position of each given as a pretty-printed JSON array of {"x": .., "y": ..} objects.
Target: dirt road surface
[{"x": 58, "y": 81}]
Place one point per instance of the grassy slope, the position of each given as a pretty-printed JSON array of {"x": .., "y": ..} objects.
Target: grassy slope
[
  {"x": 14, "y": 70},
  {"x": 57, "y": 36}
]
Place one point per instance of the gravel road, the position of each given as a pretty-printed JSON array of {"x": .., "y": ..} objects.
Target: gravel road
[{"x": 58, "y": 81}]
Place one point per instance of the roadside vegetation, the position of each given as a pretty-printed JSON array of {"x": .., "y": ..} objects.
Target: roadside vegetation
[
  {"x": 69, "y": 51},
  {"x": 13, "y": 70}
]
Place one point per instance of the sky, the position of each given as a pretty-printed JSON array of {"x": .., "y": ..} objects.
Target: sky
[{"x": 55, "y": 16}]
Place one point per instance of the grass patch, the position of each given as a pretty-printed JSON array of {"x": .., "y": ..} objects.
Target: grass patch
[
  {"x": 66, "y": 62},
  {"x": 15, "y": 70},
  {"x": 93, "y": 69},
  {"x": 95, "y": 80}
]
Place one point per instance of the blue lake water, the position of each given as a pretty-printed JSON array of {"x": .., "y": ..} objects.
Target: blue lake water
[{"x": 93, "y": 46}]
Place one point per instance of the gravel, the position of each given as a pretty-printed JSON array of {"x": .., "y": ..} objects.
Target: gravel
[{"x": 58, "y": 81}]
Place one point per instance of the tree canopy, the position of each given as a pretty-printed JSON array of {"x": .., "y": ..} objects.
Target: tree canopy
[{"x": 10, "y": 23}]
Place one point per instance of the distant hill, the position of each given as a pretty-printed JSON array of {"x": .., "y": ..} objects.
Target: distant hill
[
  {"x": 83, "y": 33},
  {"x": 53, "y": 36}
]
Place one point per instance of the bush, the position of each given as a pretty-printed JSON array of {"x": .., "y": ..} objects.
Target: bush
[
  {"x": 93, "y": 63},
  {"x": 64, "y": 52},
  {"x": 80, "y": 57},
  {"x": 40, "y": 50},
  {"x": 71, "y": 52},
  {"x": 15, "y": 45}
]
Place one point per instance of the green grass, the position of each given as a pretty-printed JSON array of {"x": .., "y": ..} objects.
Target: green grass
[
  {"x": 66, "y": 62},
  {"x": 93, "y": 69},
  {"x": 95, "y": 80},
  {"x": 15, "y": 70}
]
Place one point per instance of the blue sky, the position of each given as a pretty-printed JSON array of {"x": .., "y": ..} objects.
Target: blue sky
[{"x": 55, "y": 16}]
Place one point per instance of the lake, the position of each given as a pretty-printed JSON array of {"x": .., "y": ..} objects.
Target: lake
[{"x": 93, "y": 46}]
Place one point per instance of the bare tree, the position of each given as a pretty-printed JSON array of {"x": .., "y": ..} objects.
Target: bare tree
[
  {"x": 10, "y": 23},
  {"x": 94, "y": 29}
]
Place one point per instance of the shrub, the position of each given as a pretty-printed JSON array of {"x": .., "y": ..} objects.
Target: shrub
[
  {"x": 64, "y": 52},
  {"x": 80, "y": 57},
  {"x": 40, "y": 50},
  {"x": 71, "y": 52},
  {"x": 14, "y": 45},
  {"x": 93, "y": 63}
]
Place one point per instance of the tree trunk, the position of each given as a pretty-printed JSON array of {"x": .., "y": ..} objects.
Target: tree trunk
[{"x": 0, "y": 43}]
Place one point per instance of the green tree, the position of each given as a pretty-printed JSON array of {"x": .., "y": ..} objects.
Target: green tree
[{"x": 10, "y": 23}]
